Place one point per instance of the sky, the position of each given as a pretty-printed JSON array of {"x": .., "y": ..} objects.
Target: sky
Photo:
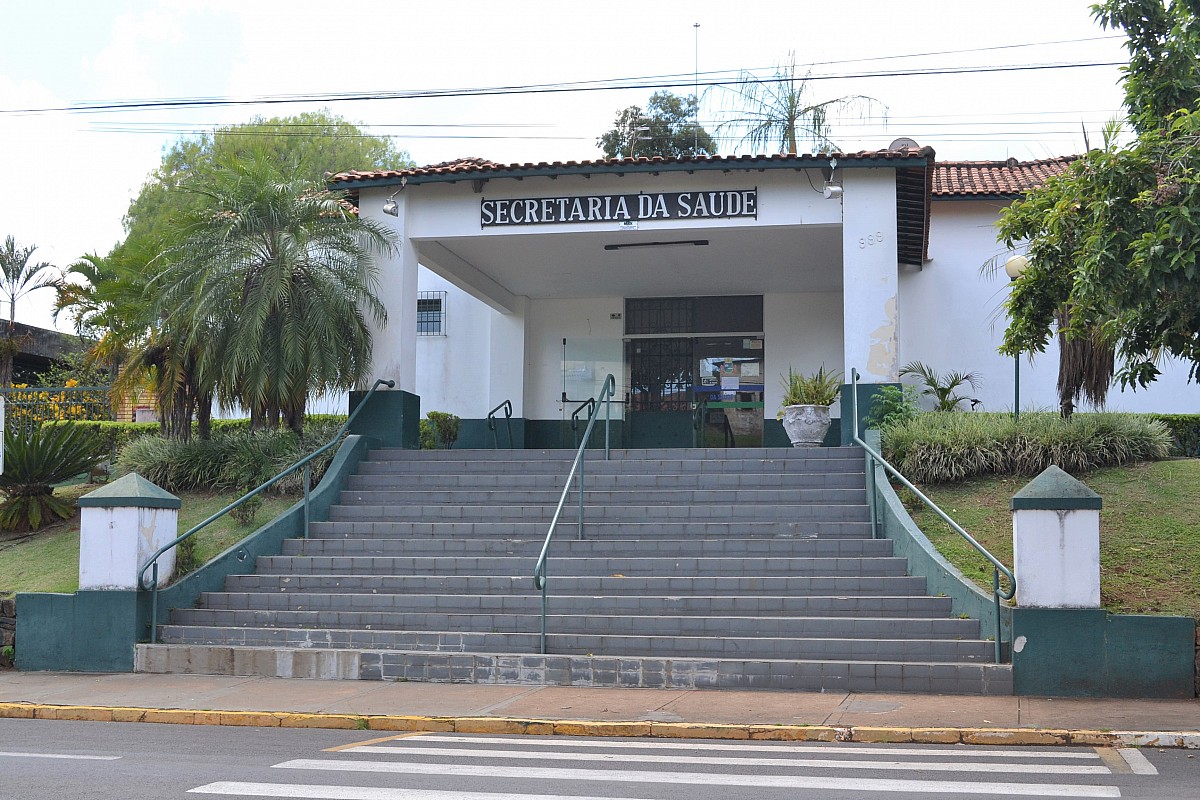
[{"x": 73, "y": 172}]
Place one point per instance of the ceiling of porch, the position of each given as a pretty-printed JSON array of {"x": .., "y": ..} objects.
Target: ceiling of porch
[{"x": 549, "y": 264}]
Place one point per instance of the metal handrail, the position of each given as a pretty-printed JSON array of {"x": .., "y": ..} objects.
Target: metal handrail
[
  {"x": 306, "y": 462},
  {"x": 590, "y": 405},
  {"x": 506, "y": 406},
  {"x": 997, "y": 566},
  {"x": 539, "y": 571}
]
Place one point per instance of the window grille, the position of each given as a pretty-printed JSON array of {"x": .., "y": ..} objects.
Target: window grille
[{"x": 431, "y": 314}]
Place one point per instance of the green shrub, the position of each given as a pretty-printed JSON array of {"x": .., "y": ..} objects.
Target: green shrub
[
  {"x": 426, "y": 438},
  {"x": 231, "y": 461},
  {"x": 817, "y": 389},
  {"x": 945, "y": 448},
  {"x": 892, "y": 405},
  {"x": 1185, "y": 431},
  {"x": 443, "y": 430},
  {"x": 35, "y": 460}
]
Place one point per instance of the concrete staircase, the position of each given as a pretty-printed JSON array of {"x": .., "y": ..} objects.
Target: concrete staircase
[{"x": 750, "y": 568}]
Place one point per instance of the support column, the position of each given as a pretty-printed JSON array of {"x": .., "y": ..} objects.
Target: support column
[
  {"x": 869, "y": 286},
  {"x": 395, "y": 355},
  {"x": 394, "y": 414},
  {"x": 506, "y": 359}
]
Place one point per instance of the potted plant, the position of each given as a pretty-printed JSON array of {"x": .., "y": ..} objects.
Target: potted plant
[{"x": 806, "y": 402}]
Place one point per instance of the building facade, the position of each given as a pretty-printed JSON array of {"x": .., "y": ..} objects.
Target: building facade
[{"x": 698, "y": 281}]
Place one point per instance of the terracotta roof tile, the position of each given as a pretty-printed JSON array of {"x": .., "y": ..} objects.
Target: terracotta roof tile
[
  {"x": 994, "y": 178},
  {"x": 468, "y": 168}
]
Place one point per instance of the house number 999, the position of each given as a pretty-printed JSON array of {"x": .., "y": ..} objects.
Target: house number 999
[{"x": 870, "y": 240}]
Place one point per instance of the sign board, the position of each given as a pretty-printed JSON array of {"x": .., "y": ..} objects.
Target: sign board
[{"x": 624, "y": 209}]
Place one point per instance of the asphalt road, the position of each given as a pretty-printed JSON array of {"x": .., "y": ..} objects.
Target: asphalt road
[{"x": 49, "y": 760}]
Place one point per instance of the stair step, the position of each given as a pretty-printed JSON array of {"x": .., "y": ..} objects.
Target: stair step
[
  {"x": 894, "y": 606},
  {"x": 587, "y": 585},
  {"x": 681, "y": 565},
  {"x": 624, "y": 467},
  {"x": 591, "y": 624},
  {"x": 544, "y": 513},
  {"x": 568, "y": 546},
  {"x": 912, "y": 649},
  {"x": 593, "y": 529},
  {"x": 692, "y": 498},
  {"x": 579, "y": 670},
  {"x": 623, "y": 454},
  {"x": 612, "y": 481}
]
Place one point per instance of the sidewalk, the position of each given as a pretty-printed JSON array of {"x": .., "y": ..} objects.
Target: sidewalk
[{"x": 553, "y": 709}]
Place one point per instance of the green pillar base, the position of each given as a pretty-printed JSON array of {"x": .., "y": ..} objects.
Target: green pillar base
[
  {"x": 88, "y": 631},
  {"x": 392, "y": 418}
]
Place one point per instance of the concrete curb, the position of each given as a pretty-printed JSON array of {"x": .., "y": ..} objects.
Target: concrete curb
[{"x": 662, "y": 730}]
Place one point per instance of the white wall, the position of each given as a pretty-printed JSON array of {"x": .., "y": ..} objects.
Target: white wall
[
  {"x": 548, "y": 322},
  {"x": 951, "y": 319},
  {"x": 453, "y": 369},
  {"x": 802, "y": 331}
]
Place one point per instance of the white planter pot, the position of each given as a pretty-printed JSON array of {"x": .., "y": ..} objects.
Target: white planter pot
[{"x": 806, "y": 425}]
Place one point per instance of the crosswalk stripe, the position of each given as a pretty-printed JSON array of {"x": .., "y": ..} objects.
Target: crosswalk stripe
[
  {"x": 60, "y": 755},
  {"x": 1138, "y": 763},
  {"x": 800, "y": 759},
  {"x": 783, "y": 747},
  {"x": 856, "y": 784},
  {"x": 319, "y": 792}
]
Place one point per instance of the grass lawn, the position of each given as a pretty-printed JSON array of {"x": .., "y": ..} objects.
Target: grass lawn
[
  {"x": 1149, "y": 532},
  {"x": 48, "y": 560}
]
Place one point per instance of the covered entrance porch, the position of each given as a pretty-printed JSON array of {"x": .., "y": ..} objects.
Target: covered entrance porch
[{"x": 696, "y": 315}]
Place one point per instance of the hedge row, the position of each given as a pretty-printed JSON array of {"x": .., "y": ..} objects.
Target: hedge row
[
  {"x": 948, "y": 447},
  {"x": 118, "y": 434},
  {"x": 1185, "y": 432}
]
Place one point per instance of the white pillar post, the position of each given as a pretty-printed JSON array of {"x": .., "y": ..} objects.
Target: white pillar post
[
  {"x": 869, "y": 274},
  {"x": 506, "y": 356},
  {"x": 122, "y": 525},
  {"x": 1056, "y": 542},
  {"x": 395, "y": 346}
]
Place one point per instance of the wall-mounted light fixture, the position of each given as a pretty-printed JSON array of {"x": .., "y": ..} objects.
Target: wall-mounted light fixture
[
  {"x": 679, "y": 243},
  {"x": 389, "y": 206},
  {"x": 832, "y": 190}
]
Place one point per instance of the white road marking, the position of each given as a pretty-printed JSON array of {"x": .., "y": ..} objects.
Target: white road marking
[
  {"x": 782, "y": 747},
  {"x": 60, "y": 755},
  {"x": 1138, "y": 763},
  {"x": 318, "y": 792},
  {"x": 708, "y": 779},
  {"x": 801, "y": 760}
]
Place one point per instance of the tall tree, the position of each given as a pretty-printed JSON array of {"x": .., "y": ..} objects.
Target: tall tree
[
  {"x": 1117, "y": 238},
  {"x": 776, "y": 113},
  {"x": 315, "y": 142},
  {"x": 270, "y": 287},
  {"x": 670, "y": 131},
  {"x": 18, "y": 278}
]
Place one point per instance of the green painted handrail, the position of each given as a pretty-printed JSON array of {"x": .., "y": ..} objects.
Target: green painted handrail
[
  {"x": 306, "y": 462},
  {"x": 997, "y": 566},
  {"x": 539, "y": 571},
  {"x": 506, "y": 407}
]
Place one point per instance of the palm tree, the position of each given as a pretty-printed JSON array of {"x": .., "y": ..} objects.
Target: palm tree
[
  {"x": 777, "y": 114},
  {"x": 270, "y": 287},
  {"x": 943, "y": 389},
  {"x": 17, "y": 278}
]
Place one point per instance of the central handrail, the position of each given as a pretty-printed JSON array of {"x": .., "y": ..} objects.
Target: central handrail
[
  {"x": 590, "y": 405},
  {"x": 539, "y": 571},
  {"x": 306, "y": 462},
  {"x": 997, "y": 566},
  {"x": 506, "y": 407}
]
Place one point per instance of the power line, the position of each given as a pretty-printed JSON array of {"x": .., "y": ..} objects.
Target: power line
[{"x": 130, "y": 105}]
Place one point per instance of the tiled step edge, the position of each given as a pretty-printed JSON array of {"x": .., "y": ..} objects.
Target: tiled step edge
[{"x": 557, "y": 670}]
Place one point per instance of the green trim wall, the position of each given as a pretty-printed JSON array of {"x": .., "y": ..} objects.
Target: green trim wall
[
  {"x": 393, "y": 418},
  {"x": 95, "y": 631},
  {"x": 1088, "y": 652},
  {"x": 866, "y": 402}
]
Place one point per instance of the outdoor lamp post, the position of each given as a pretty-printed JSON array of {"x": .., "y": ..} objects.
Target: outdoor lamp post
[{"x": 1013, "y": 269}]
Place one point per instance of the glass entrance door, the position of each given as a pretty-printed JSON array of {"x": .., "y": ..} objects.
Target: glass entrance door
[{"x": 729, "y": 391}]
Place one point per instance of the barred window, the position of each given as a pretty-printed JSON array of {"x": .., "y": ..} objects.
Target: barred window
[{"x": 431, "y": 314}]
